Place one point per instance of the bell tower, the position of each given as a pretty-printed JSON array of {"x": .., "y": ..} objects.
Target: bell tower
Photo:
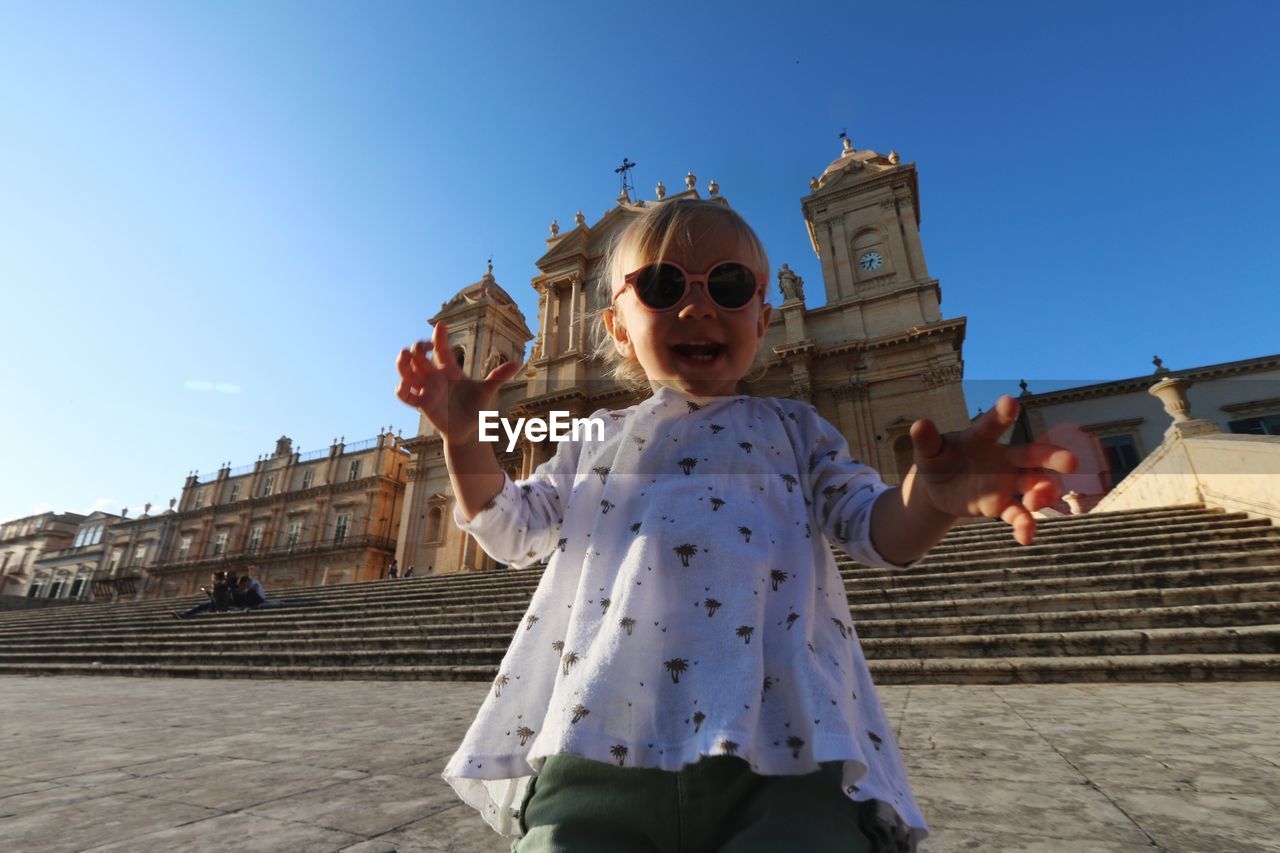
[{"x": 863, "y": 216}]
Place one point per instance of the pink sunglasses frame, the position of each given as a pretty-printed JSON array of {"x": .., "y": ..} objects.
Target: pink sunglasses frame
[{"x": 629, "y": 280}]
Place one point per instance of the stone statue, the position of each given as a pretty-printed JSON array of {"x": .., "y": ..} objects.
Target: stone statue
[{"x": 791, "y": 285}]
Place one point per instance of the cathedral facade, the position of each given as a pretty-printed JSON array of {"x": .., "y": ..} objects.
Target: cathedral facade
[{"x": 876, "y": 356}]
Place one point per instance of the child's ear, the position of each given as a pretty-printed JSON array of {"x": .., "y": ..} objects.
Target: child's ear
[
  {"x": 762, "y": 324},
  {"x": 617, "y": 331}
]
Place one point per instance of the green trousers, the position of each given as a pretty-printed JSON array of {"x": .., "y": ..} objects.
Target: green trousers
[{"x": 578, "y": 805}]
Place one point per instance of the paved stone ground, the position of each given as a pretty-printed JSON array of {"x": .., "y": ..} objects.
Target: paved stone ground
[{"x": 175, "y": 765}]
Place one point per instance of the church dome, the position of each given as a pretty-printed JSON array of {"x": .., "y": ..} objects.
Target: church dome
[
  {"x": 851, "y": 160},
  {"x": 486, "y": 289}
]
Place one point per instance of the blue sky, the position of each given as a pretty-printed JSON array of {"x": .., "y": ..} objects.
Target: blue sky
[{"x": 220, "y": 221}]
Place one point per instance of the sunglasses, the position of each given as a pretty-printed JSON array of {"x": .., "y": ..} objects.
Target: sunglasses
[{"x": 663, "y": 286}]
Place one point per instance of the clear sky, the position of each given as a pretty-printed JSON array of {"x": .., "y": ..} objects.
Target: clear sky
[{"x": 219, "y": 221}]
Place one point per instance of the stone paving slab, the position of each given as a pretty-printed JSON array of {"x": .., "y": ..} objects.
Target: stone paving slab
[{"x": 126, "y": 764}]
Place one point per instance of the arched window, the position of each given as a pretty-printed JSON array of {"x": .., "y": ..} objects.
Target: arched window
[{"x": 460, "y": 356}]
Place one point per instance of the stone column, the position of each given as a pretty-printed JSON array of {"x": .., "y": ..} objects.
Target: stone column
[{"x": 574, "y": 332}]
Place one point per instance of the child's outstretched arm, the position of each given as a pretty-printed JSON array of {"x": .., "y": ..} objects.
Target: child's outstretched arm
[
  {"x": 438, "y": 388},
  {"x": 963, "y": 475}
]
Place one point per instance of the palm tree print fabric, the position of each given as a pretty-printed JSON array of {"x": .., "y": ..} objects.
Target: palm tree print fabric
[{"x": 691, "y": 606}]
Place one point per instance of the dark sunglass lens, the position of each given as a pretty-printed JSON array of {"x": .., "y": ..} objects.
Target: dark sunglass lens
[
  {"x": 731, "y": 285},
  {"x": 660, "y": 286}
]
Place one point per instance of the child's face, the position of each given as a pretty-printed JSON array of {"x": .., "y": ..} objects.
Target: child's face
[{"x": 663, "y": 342}]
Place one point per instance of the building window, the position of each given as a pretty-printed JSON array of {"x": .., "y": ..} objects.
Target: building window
[
  {"x": 139, "y": 555},
  {"x": 255, "y": 539},
  {"x": 308, "y": 477},
  {"x": 97, "y": 534},
  {"x": 295, "y": 533},
  {"x": 340, "y": 530},
  {"x": 435, "y": 522},
  {"x": 1122, "y": 455},
  {"x": 1264, "y": 425},
  {"x": 199, "y": 498},
  {"x": 354, "y": 472},
  {"x": 77, "y": 588},
  {"x": 220, "y": 544},
  {"x": 270, "y": 485},
  {"x": 235, "y": 493},
  {"x": 184, "y": 548},
  {"x": 81, "y": 537}
]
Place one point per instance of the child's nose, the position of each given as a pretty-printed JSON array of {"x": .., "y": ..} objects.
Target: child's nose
[{"x": 698, "y": 302}]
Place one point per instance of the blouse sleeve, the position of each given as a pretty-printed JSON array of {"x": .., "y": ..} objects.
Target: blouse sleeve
[
  {"x": 843, "y": 491},
  {"x": 521, "y": 525}
]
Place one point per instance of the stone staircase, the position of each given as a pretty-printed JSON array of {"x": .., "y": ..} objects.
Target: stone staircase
[{"x": 1171, "y": 594}]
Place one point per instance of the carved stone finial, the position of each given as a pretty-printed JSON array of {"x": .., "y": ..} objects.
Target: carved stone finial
[
  {"x": 893, "y": 157},
  {"x": 661, "y": 190},
  {"x": 848, "y": 146},
  {"x": 1072, "y": 499},
  {"x": 172, "y": 503},
  {"x": 813, "y": 183},
  {"x": 146, "y": 508},
  {"x": 555, "y": 228},
  {"x": 690, "y": 180},
  {"x": 579, "y": 218},
  {"x": 1160, "y": 368},
  {"x": 124, "y": 513},
  {"x": 713, "y": 188},
  {"x": 1022, "y": 383}
]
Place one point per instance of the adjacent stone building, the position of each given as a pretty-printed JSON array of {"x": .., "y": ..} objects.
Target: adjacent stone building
[
  {"x": 290, "y": 519},
  {"x": 1127, "y": 423},
  {"x": 874, "y": 358},
  {"x": 24, "y": 541}
]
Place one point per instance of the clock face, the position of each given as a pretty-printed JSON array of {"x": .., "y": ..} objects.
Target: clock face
[{"x": 871, "y": 261}]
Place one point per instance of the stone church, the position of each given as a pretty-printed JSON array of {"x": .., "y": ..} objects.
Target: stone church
[{"x": 876, "y": 356}]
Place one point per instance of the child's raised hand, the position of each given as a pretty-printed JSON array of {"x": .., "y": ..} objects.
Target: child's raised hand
[
  {"x": 969, "y": 473},
  {"x": 432, "y": 382}
]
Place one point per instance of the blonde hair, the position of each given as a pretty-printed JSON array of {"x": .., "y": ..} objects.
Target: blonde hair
[{"x": 666, "y": 226}]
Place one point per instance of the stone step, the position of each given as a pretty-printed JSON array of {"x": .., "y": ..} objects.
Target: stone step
[
  {"x": 1264, "y": 545},
  {"x": 1126, "y": 668},
  {"x": 1020, "y": 582},
  {"x": 1106, "y": 600},
  {"x": 999, "y": 535},
  {"x": 1061, "y": 670},
  {"x": 490, "y": 648},
  {"x": 1258, "y": 639},
  {"x": 1124, "y": 618},
  {"x": 994, "y": 528},
  {"x": 1089, "y": 541}
]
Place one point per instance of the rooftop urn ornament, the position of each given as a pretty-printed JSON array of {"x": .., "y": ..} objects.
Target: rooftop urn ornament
[
  {"x": 1072, "y": 499},
  {"x": 690, "y": 180},
  {"x": 1160, "y": 368},
  {"x": 713, "y": 188},
  {"x": 1022, "y": 383},
  {"x": 661, "y": 190},
  {"x": 1172, "y": 392},
  {"x": 172, "y": 503},
  {"x": 555, "y": 228},
  {"x": 893, "y": 158},
  {"x": 813, "y": 183},
  {"x": 579, "y": 218},
  {"x": 146, "y": 508}
]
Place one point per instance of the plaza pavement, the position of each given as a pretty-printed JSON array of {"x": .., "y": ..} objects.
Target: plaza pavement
[{"x": 118, "y": 764}]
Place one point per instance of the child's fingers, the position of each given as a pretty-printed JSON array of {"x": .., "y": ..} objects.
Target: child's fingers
[
  {"x": 994, "y": 421},
  {"x": 443, "y": 356},
  {"x": 1022, "y": 522},
  {"x": 500, "y": 375},
  {"x": 1042, "y": 455},
  {"x": 407, "y": 395},
  {"x": 926, "y": 438},
  {"x": 1041, "y": 494}
]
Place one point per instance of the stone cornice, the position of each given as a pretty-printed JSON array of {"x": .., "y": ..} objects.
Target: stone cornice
[
  {"x": 915, "y": 333},
  {"x": 1142, "y": 383}
]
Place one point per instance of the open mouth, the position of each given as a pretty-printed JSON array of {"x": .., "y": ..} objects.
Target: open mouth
[{"x": 699, "y": 352}]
